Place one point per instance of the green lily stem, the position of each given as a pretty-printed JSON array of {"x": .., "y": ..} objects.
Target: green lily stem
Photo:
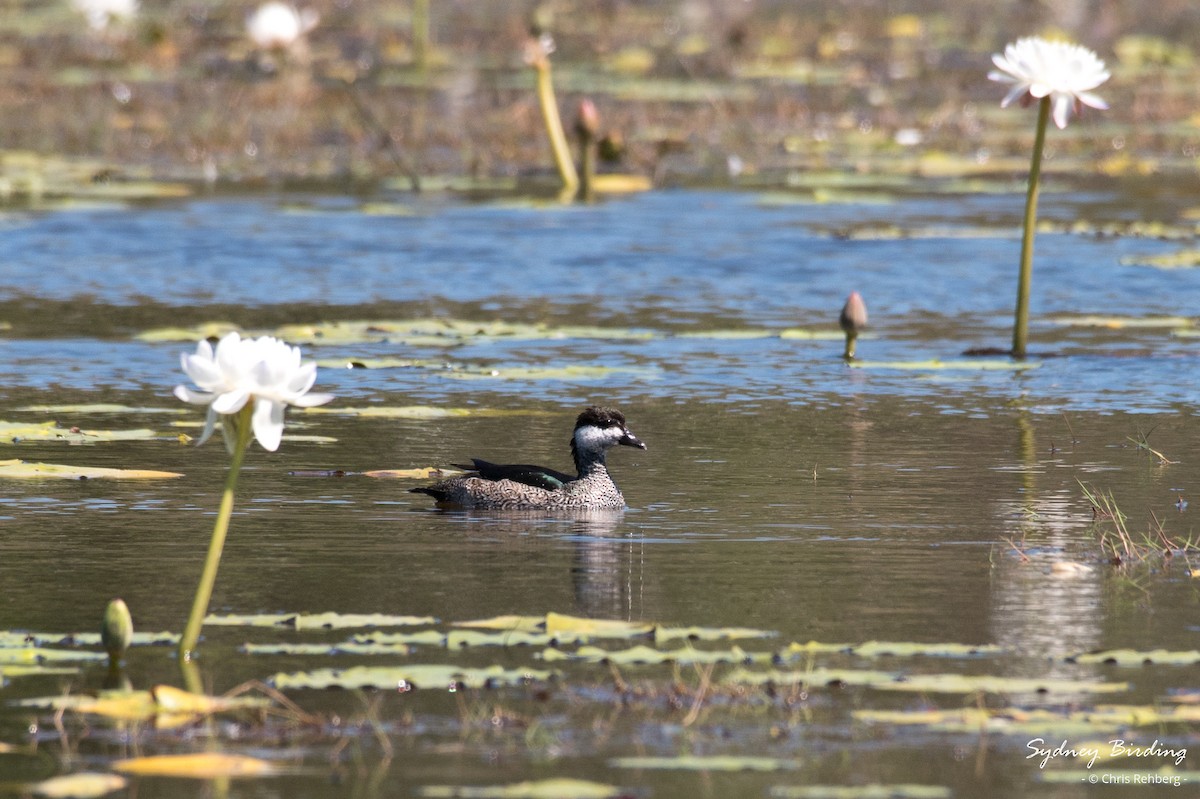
[
  {"x": 554, "y": 129},
  {"x": 1021, "y": 322},
  {"x": 243, "y": 432}
]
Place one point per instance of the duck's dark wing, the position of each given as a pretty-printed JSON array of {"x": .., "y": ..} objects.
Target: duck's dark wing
[{"x": 536, "y": 476}]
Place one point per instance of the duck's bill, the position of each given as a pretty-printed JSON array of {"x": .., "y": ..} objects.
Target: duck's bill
[{"x": 630, "y": 440}]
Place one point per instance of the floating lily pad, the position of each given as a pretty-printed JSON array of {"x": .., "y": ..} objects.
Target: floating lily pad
[
  {"x": 425, "y": 473},
  {"x": 23, "y": 470},
  {"x": 871, "y": 649},
  {"x": 418, "y": 412},
  {"x": 424, "y": 675},
  {"x": 1121, "y": 322},
  {"x": 98, "y": 407},
  {"x": 161, "y": 701},
  {"x": 557, "y": 623},
  {"x": 200, "y": 766},
  {"x": 37, "y": 655},
  {"x": 342, "y": 648},
  {"x": 16, "y": 432},
  {"x": 873, "y": 791},
  {"x": 9, "y": 638},
  {"x": 24, "y": 670},
  {"x": 1165, "y": 776},
  {"x": 964, "y": 684},
  {"x": 318, "y": 621},
  {"x": 709, "y": 763},
  {"x": 569, "y": 372},
  {"x": 82, "y": 785},
  {"x": 529, "y": 624},
  {"x": 936, "y": 365},
  {"x": 561, "y": 788},
  {"x": 204, "y": 330},
  {"x": 1183, "y": 259},
  {"x": 710, "y": 633},
  {"x": 645, "y": 655},
  {"x": 1130, "y": 657}
]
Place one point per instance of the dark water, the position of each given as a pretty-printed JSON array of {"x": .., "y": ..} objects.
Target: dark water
[{"x": 781, "y": 490}]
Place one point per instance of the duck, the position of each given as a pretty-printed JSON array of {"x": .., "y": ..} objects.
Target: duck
[{"x": 522, "y": 486}]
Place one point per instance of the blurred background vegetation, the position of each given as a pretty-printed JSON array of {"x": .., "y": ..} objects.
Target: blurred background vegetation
[{"x": 688, "y": 91}]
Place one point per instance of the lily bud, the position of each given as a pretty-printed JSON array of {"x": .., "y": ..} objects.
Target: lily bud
[
  {"x": 117, "y": 630},
  {"x": 853, "y": 319},
  {"x": 587, "y": 122}
]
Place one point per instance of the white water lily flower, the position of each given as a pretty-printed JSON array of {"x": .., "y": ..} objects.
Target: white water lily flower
[
  {"x": 1064, "y": 72},
  {"x": 264, "y": 370}
]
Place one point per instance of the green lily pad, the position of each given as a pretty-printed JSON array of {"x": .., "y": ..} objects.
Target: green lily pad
[
  {"x": 1120, "y": 322},
  {"x": 811, "y": 677},
  {"x": 16, "y": 432},
  {"x": 964, "y": 684},
  {"x": 558, "y": 623},
  {"x": 10, "y": 638},
  {"x": 934, "y": 364},
  {"x": 16, "y": 469},
  {"x": 873, "y": 791},
  {"x": 707, "y": 763},
  {"x": 710, "y": 633},
  {"x": 417, "y": 412},
  {"x": 872, "y": 649},
  {"x": 38, "y": 655},
  {"x": 342, "y": 648},
  {"x": 13, "y": 671},
  {"x": 569, "y": 372},
  {"x": 1183, "y": 259},
  {"x": 529, "y": 624},
  {"x": 318, "y": 621},
  {"x": 82, "y": 785},
  {"x": 199, "y": 766},
  {"x": 560, "y": 788},
  {"x": 424, "y": 675},
  {"x": 204, "y": 330},
  {"x": 645, "y": 655},
  {"x": 97, "y": 407},
  {"x": 1130, "y": 657},
  {"x": 1165, "y": 776}
]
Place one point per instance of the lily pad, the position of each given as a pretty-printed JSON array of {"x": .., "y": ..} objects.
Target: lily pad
[
  {"x": 934, "y": 364},
  {"x": 98, "y": 407},
  {"x": 36, "y": 655},
  {"x": 342, "y": 648},
  {"x": 557, "y": 623},
  {"x": 201, "y": 766},
  {"x": 710, "y": 633},
  {"x": 318, "y": 621},
  {"x": 1165, "y": 776},
  {"x": 645, "y": 655},
  {"x": 873, "y": 791},
  {"x": 1122, "y": 322},
  {"x": 1183, "y": 259},
  {"x": 16, "y": 432},
  {"x": 561, "y": 788},
  {"x": 82, "y": 785},
  {"x": 16, "y": 469},
  {"x": 530, "y": 624},
  {"x": 1130, "y": 657},
  {"x": 424, "y": 473},
  {"x": 161, "y": 701},
  {"x": 707, "y": 763},
  {"x": 418, "y": 412},
  {"x": 424, "y": 675}
]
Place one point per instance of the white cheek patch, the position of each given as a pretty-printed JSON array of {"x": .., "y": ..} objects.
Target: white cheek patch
[{"x": 593, "y": 438}]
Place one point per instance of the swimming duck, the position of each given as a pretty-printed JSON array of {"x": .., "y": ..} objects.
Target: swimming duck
[{"x": 526, "y": 487}]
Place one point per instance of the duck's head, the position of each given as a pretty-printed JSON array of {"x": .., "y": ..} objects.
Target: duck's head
[{"x": 598, "y": 429}]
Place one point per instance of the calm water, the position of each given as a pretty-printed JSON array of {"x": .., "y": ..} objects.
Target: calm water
[{"x": 781, "y": 490}]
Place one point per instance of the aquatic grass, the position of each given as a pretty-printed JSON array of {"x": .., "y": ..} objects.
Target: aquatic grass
[
  {"x": 1123, "y": 547},
  {"x": 1059, "y": 76}
]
